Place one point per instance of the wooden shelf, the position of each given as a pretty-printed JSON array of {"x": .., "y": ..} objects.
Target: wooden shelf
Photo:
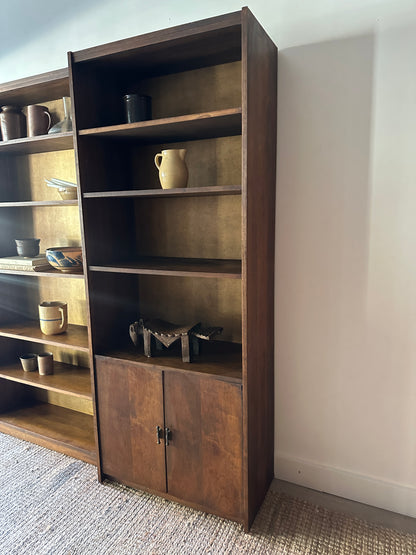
[
  {"x": 49, "y": 273},
  {"x": 36, "y": 203},
  {"x": 161, "y": 193},
  {"x": 206, "y": 125},
  {"x": 158, "y": 266},
  {"x": 35, "y": 89},
  {"x": 54, "y": 427},
  {"x": 76, "y": 337},
  {"x": 42, "y": 143},
  {"x": 69, "y": 379},
  {"x": 219, "y": 359}
]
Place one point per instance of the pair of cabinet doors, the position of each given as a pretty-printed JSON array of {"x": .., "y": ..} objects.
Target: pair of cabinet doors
[{"x": 174, "y": 433}]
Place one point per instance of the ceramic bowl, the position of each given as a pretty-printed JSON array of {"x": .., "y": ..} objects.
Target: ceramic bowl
[
  {"x": 29, "y": 248},
  {"x": 67, "y": 193},
  {"x": 66, "y": 259}
]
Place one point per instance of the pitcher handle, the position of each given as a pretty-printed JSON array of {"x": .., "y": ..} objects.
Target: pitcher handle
[
  {"x": 49, "y": 118},
  {"x": 159, "y": 155}
]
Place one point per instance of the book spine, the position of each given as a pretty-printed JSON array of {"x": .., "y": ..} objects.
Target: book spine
[
  {"x": 23, "y": 263},
  {"x": 18, "y": 268}
]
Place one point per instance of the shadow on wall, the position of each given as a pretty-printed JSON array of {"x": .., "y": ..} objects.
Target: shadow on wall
[
  {"x": 28, "y": 20},
  {"x": 92, "y": 22},
  {"x": 323, "y": 220}
]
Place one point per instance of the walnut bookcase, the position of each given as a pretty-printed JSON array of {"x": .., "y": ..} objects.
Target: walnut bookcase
[
  {"x": 199, "y": 433},
  {"x": 54, "y": 411}
]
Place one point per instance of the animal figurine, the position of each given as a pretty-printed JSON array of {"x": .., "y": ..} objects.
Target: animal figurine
[{"x": 167, "y": 333}]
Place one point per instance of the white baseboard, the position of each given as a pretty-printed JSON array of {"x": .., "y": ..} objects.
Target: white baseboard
[{"x": 386, "y": 495}]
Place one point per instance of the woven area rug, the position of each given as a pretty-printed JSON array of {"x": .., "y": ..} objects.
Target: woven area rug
[{"x": 53, "y": 504}]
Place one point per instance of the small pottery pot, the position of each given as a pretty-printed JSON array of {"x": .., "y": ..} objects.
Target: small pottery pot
[
  {"x": 45, "y": 363},
  {"x": 173, "y": 173},
  {"x": 29, "y": 362},
  {"x": 138, "y": 107},
  {"x": 12, "y": 123},
  {"x": 68, "y": 193},
  {"x": 28, "y": 248}
]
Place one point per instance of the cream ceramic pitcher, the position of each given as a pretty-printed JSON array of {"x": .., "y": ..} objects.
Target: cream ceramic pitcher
[{"x": 173, "y": 173}]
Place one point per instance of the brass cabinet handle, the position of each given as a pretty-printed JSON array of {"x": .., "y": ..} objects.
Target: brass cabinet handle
[
  {"x": 168, "y": 435},
  {"x": 159, "y": 434}
]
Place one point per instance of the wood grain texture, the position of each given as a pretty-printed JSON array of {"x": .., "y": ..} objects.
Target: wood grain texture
[
  {"x": 221, "y": 123},
  {"x": 41, "y": 143},
  {"x": 212, "y": 40},
  {"x": 204, "y": 455},
  {"x": 116, "y": 158},
  {"x": 259, "y": 186},
  {"x": 75, "y": 337},
  {"x": 65, "y": 379},
  {"x": 49, "y": 273},
  {"x": 219, "y": 359},
  {"x": 33, "y": 203},
  {"x": 160, "y": 193},
  {"x": 130, "y": 401},
  {"x": 35, "y": 89},
  {"x": 53, "y": 427},
  {"x": 176, "y": 267}
]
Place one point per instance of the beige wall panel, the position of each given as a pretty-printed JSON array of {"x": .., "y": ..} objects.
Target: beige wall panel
[
  {"x": 67, "y": 401},
  {"x": 71, "y": 291},
  {"x": 69, "y": 356},
  {"x": 34, "y": 168},
  {"x": 197, "y": 227},
  {"x": 200, "y": 90}
]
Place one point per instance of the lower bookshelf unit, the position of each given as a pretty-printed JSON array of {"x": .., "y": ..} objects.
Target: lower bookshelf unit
[
  {"x": 64, "y": 430},
  {"x": 174, "y": 433}
]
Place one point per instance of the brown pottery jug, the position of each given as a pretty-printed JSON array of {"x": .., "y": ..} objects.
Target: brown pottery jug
[{"x": 12, "y": 123}]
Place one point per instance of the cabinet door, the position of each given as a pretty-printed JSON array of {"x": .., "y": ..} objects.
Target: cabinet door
[
  {"x": 130, "y": 406},
  {"x": 204, "y": 455}
]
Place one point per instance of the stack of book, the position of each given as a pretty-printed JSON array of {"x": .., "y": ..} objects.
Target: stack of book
[{"x": 36, "y": 264}]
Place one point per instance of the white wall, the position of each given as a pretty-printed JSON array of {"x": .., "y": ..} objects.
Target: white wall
[{"x": 346, "y": 231}]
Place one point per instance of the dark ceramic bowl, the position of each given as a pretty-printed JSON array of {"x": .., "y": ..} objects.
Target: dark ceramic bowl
[{"x": 28, "y": 248}]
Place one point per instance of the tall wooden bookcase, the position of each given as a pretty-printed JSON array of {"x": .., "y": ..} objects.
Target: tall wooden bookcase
[
  {"x": 54, "y": 411},
  {"x": 202, "y": 432}
]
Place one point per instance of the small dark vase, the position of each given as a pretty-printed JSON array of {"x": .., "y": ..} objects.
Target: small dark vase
[
  {"x": 28, "y": 248},
  {"x": 12, "y": 123}
]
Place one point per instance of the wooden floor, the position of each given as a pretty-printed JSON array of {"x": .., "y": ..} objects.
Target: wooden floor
[{"x": 353, "y": 508}]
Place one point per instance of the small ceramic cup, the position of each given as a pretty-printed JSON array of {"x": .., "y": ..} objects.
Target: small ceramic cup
[
  {"x": 29, "y": 362},
  {"x": 53, "y": 317},
  {"x": 45, "y": 363},
  {"x": 28, "y": 248}
]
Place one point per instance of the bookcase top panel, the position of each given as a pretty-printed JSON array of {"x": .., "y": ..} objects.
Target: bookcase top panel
[
  {"x": 207, "y": 42},
  {"x": 34, "y": 89}
]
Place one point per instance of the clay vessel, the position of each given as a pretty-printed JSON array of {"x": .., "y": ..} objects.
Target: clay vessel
[
  {"x": 12, "y": 123},
  {"x": 173, "y": 173},
  {"x": 38, "y": 120}
]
